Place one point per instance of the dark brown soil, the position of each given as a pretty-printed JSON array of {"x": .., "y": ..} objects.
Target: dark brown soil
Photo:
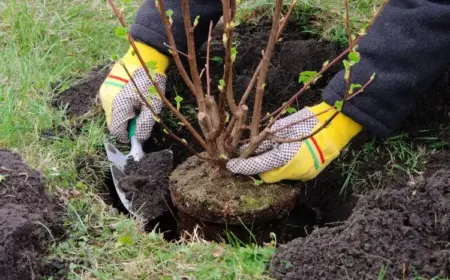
[
  {"x": 81, "y": 97},
  {"x": 29, "y": 221},
  {"x": 147, "y": 185},
  {"x": 203, "y": 196},
  {"x": 404, "y": 226}
]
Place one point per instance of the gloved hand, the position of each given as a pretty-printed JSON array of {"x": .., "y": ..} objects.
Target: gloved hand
[
  {"x": 120, "y": 100},
  {"x": 299, "y": 160}
]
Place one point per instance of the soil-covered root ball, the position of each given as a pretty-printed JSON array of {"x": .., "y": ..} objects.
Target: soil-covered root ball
[
  {"x": 29, "y": 220},
  {"x": 401, "y": 231},
  {"x": 237, "y": 204}
]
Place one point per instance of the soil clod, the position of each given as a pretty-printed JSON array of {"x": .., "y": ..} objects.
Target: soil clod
[
  {"x": 29, "y": 220},
  {"x": 147, "y": 184}
]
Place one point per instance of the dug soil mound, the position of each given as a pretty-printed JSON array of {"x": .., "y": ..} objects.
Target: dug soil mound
[
  {"x": 401, "y": 231},
  {"x": 147, "y": 186},
  {"x": 29, "y": 220},
  {"x": 81, "y": 97}
]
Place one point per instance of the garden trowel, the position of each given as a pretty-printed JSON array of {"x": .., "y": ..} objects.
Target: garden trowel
[{"x": 119, "y": 160}]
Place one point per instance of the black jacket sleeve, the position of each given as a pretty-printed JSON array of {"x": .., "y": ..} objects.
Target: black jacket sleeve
[
  {"x": 148, "y": 27},
  {"x": 408, "y": 47}
]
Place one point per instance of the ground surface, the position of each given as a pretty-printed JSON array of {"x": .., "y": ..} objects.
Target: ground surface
[
  {"x": 46, "y": 46},
  {"x": 30, "y": 220},
  {"x": 404, "y": 230}
]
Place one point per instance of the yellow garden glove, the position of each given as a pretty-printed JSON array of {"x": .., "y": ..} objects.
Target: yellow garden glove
[
  {"x": 120, "y": 100},
  {"x": 299, "y": 160}
]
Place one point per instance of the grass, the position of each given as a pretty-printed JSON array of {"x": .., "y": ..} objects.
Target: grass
[{"x": 324, "y": 17}]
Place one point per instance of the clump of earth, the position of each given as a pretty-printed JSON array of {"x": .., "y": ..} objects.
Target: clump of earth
[
  {"x": 400, "y": 231},
  {"x": 30, "y": 220},
  {"x": 147, "y": 184}
]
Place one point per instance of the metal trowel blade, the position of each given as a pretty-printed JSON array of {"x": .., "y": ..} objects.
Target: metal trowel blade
[{"x": 115, "y": 156}]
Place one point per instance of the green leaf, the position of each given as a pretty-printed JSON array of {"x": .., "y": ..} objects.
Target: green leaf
[
  {"x": 196, "y": 20},
  {"x": 354, "y": 86},
  {"x": 165, "y": 131},
  {"x": 338, "y": 104},
  {"x": 259, "y": 182},
  {"x": 151, "y": 65},
  {"x": 347, "y": 69},
  {"x": 306, "y": 76},
  {"x": 291, "y": 110},
  {"x": 233, "y": 54},
  {"x": 152, "y": 91},
  {"x": 125, "y": 240},
  {"x": 346, "y": 65},
  {"x": 354, "y": 57},
  {"x": 169, "y": 14},
  {"x": 115, "y": 57},
  {"x": 127, "y": 1},
  {"x": 3, "y": 177},
  {"x": 217, "y": 59},
  {"x": 121, "y": 32},
  {"x": 178, "y": 100},
  {"x": 221, "y": 84}
]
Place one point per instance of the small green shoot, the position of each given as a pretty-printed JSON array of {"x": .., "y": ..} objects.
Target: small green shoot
[
  {"x": 197, "y": 18},
  {"x": 121, "y": 32},
  {"x": 339, "y": 104},
  {"x": 169, "y": 14},
  {"x": 306, "y": 76},
  {"x": 217, "y": 59},
  {"x": 353, "y": 87},
  {"x": 178, "y": 100},
  {"x": 3, "y": 177},
  {"x": 233, "y": 54},
  {"x": 221, "y": 85}
]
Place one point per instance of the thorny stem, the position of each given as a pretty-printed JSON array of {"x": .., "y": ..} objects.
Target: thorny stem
[
  {"x": 229, "y": 8},
  {"x": 258, "y": 140},
  {"x": 157, "y": 119},
  {"x": 173, "y": 46},
  {"x": 325, "y": 124},
  {"x": 251, "y": 85},
  {"x": 208, "y": 50},
  {"x": 274, "y": 132},
  {"x": 324, "y": 111},
  {"x": 255, "y": 75},
  {"x": 195, "y": 76},
  {"x": 166, "y": 102},
  {"x": 350, "y": 40},
  {"x": 264, "y": 68},
  {"x": 175, "y": 50},
  {"x": 324, "y": 69}
]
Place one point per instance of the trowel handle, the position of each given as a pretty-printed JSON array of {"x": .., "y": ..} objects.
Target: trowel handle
[
  {"x": 136, "y": 147},
  {"x": 132, "y": 128}
]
